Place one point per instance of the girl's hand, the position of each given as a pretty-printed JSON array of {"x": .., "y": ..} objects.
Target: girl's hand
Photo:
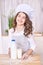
[{"x": 25, "y": 56}]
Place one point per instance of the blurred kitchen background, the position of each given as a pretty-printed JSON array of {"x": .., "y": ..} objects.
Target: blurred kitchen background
[{"x": 7, "y": 9}]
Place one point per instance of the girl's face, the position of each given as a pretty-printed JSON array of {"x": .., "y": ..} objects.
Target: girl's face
[{"x": 20, "y": 19}]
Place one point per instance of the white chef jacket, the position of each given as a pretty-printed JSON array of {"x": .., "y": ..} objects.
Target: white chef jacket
[{"x": 22, "y": 41}]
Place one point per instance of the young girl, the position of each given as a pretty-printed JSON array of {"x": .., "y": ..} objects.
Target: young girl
[{"x": 22, "y": 30}]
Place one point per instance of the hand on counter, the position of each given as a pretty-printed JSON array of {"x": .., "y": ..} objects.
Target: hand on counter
[{"x": 27, "y": 54}]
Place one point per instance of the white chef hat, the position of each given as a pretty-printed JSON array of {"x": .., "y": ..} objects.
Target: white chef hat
[{"x": 25, "y": 8}]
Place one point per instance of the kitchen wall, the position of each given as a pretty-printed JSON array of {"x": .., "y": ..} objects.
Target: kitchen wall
[
  {"x": 0, "y": 32},
  {"x": 8, "y": 6}
]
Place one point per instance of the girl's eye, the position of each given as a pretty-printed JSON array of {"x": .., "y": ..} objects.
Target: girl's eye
[{"x": 18, "y": 15}]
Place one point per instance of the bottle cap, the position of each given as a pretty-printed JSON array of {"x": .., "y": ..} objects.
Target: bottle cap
[{"x": 12, "y": 40}]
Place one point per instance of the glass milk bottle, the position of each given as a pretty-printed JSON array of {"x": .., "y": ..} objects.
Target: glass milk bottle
[
  {"x": 13, "y": 49},
  {"x": 19, "y": 53}
]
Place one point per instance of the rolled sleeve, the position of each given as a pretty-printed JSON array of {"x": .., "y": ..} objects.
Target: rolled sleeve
[
  {"x": 32, "y": 42},
  {"x": 10, "y": 36}
]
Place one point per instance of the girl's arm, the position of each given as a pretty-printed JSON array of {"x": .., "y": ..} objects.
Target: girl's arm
[
  {"x": 9, "y": 37},
  {"x": 27, "y": 54},
  {"x": 32, "y": 47},
  {"x": 9, "y": 52}
]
